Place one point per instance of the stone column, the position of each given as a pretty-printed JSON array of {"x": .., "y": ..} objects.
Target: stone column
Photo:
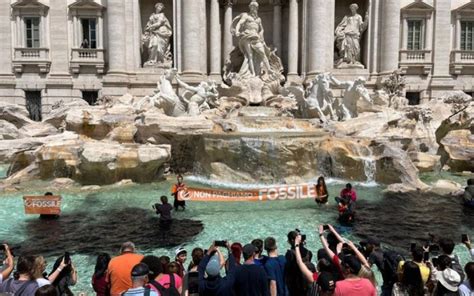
[
  {"x": 215, "y": 38},
  {"x": 389, "y": 50},
  {"x": 116, "y": 38},
  {"x": 457, "y": 37},
  {"x": 405, "y": 33},
  {"x": 429, "y": 33},
  {"x": 6, "y": 44},
  {"x": 293, "y": 32},
  {"x": 277, "y": 24},
  {"x": 320, "y": 36},
  {"x": 227, "y": 23},
  {"x": 442, "y": 48},
  {"x": 192, "y": 20},
  {"x": 59, "y": 49}
]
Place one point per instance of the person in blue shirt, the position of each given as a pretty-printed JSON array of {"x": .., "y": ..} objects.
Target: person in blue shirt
[
  {"x": 250, "y": 279},
  {"x": 275, "y": 268}
]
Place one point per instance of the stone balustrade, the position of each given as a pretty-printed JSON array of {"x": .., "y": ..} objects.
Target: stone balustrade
[
  {"x": 87, "y": 57},
  {"x": 416, "y": 60},
  {"x": 462, "y": 61},
  {"x": 33, "y": 57}
]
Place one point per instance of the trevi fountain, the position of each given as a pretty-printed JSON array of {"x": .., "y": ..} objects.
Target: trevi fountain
[{"x": 252, "y": 128}]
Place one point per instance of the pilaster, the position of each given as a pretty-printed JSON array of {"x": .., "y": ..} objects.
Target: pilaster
[{"x": 390, "y": 26}]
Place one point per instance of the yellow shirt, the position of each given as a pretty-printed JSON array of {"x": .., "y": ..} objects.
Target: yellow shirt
[{"x": 424, "y": 270}]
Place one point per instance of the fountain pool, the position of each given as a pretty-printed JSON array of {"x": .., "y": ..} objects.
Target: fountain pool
[{"x": 100, "y": 221}]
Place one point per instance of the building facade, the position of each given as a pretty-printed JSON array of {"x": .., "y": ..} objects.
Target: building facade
[{"x": 55, "y": 50}]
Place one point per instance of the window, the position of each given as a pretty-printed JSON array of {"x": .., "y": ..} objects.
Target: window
[
  {"x": 90, "y": 97},
  {"x": 467, "y": 35},
  {"x": 89, "y": 33},
  {"x": 413, "y": 98},
  {"x": 414, "y": 35},
  {"x": 32, "y": 32}
]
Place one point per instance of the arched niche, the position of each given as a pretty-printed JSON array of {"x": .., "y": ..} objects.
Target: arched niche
[{"x": 147, "y": 8}]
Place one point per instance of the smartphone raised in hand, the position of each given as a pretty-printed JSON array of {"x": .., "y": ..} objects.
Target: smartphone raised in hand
[
  {"x": 67, "y": 258},
  {"x": 412, "y": 247},
  {"x": 464, "y": 238},
  {"x": 220, "y": 243},
  {"x": 325, "y": 227}
]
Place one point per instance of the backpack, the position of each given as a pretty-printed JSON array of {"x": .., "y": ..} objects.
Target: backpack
[
  {"x": 391, "y": 259},
  {"x": 170, "y": 291},
  {"x": 456, "y": 266}
]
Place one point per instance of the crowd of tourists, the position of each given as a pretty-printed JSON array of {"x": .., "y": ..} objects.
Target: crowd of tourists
[{"x": 340, "y": 268}]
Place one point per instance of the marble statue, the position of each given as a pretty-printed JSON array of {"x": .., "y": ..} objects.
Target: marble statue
[
  {"x": 348, "y": 34},
  {"x": 319, "y": 99},
  {"x": 353, "y": 92},
  {"x": 198, "y": 98},
  {"x": 252, "y": 57},
  {"x": 156, "y": 38},
  {"x": 165, "y": 97}
]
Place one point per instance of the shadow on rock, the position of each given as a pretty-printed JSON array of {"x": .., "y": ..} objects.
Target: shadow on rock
[
  {"x": 106, "y": 230},
  {"x": 400, "y": 219}
]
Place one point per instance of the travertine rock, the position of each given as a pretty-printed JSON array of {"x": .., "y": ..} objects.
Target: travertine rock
[
  {"x": 459, "y": 145},
  {"x": 8, "y": 131},
  {"x": 38, "y": 129},
  {"x": 425, "y": 162}
]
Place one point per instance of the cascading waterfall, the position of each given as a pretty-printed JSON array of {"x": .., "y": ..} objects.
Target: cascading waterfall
[{"x": 369, "y": 166}]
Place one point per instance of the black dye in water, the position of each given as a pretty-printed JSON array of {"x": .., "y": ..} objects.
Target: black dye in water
[{"x": 103, "y": 231}]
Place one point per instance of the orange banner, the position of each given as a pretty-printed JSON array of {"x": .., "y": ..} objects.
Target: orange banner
[
  {"x": 286, "y": 192},
  {"x": 42, "y": 204}
]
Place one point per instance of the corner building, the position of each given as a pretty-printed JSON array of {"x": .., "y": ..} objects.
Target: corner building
[{"x": 43, "y": 58}]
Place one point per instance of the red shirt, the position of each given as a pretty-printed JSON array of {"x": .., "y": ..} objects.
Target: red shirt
[
  {"x": 355, "y": 287},
  {"x": 347, "y": 192}
]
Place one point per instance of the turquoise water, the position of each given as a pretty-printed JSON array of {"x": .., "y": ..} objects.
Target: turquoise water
[{"x": 222, "y": 221}]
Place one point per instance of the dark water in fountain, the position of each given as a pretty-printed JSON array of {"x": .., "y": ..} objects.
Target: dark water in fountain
[
  {"x": 105, "y": 230},
  {"x": 400, "y": 219},
  {"x": 92, "y": 223}
]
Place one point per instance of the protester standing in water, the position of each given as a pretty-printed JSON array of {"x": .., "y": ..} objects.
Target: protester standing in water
[
  {"x": 321, "y": 191},
  {"x": 180, "y": 186}
]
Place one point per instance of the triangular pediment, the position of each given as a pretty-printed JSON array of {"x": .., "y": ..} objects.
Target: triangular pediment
[
  {"x": 418, "y": 5},
  {"x": 86, "y": 4},
  {"x": 468, "y": 7},
  {"x": 29, "y": 4}
]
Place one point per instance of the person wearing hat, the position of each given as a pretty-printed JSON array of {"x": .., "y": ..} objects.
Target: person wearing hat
[
  {"x": 140, "y": 281},
  {"x": 120, "y": 267},
  {"x": 353, "y": 284},
  {"x": 250, "y": 279},
  {"x": 448, "y": 279},
  {"x": 210, "y": 280},
  {"x": 181, "y": 256}
]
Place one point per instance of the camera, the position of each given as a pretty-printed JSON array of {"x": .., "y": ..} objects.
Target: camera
[
  {"x": 303, "y": 236},
  {"x": 220, "y": 243}
]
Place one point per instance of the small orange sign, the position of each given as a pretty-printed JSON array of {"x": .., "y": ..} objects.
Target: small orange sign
[
  {"x": 42, "y": 204},
  {"x": 285, "y": 192}
]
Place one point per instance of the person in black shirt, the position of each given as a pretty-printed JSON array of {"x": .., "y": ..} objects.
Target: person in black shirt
[
  {"x": 250, "y": 279},
  {"x": 164, "y": 210},
  {"x": 295, "y": 280}
]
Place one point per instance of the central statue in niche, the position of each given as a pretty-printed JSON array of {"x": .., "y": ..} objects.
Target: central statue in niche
[
  {"x": 253, "y": 66},
  {"x": 348, "y": 34},
  {"x": 156, "y": 39}
]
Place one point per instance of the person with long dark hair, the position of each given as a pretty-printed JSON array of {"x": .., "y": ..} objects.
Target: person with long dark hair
[
  {"x": 99, "y": 278},
  {"x": 67, "y": 276},
  {"x": 411, "y": 282},
  {"x": 467, "y": 288},
  {"x": 321, "y": 191}
]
